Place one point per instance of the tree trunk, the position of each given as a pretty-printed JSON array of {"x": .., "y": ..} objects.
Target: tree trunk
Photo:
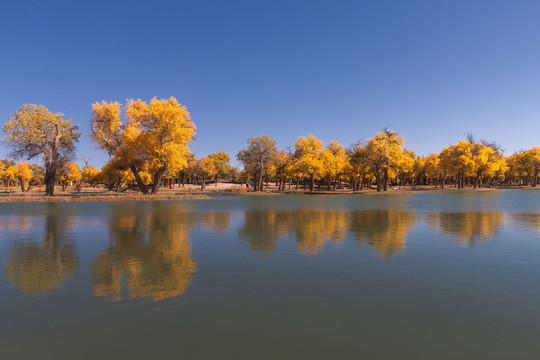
[
  {"x": 22, "y": 185},
  {"x": 50, "y": 180},
  {"x": 140, "y": 183},
  {"x": 311, "y": 182},
  {"x": 260, "y": 175},
  {"x": 385, "y": 179},
  {"x": 157, "y": 180}
]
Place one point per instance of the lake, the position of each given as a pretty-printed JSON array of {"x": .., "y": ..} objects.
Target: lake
[{"x": 397, "y": 276}]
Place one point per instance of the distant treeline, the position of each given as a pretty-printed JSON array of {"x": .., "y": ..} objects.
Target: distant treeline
[{"x": 148, "y": 148}]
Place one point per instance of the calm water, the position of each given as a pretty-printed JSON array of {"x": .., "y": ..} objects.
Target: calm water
[{"x": 420, "y": 276}]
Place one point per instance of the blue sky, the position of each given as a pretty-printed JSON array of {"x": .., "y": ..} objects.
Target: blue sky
[{"x": 342, "y": 70}]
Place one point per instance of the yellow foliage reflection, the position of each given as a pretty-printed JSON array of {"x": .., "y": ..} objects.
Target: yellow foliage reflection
[
  {"x": 262, "y": 229},
  {"x": 35, "y": 268},
  {"x": 218, "y": 221},
  {"x": 149, "y": 250},
  {"x": 468, "y": 227},
  {"x": 313, "y": 228},
  {"x": 384, "y": 230},
  {"x": 528, "y": 220}
]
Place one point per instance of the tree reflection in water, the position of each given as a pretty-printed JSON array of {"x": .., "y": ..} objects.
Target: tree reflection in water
[
  {"x": 384, "y": 230},
  {"x": 217, "y": 221},
  {"x": 149, "y": 249},
  {"x": 527, "y": 220},
  {"x": 37, "y": 267},
  {"x": 468, "y": 227}
]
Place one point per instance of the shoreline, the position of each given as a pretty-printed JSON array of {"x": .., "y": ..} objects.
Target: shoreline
[
  {"x": 34, "y": 198},
  {"x": 100, "y": 195}
]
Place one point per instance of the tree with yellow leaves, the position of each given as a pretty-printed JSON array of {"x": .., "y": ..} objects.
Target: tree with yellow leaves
[
  {"x": 334, "y": 159},
  {"x": 532, "y": 164},
  {"x": 384, "y": 153},
  {"x": 9, "y": 175},
  {"x": 35, "y": 131},
  {"x": 69, "y": 174},
  {"x": 358, "y": 167},
  {"x": 222, "y": 163},
  {"x": 90, "y": 175},
  {"x": 403, "y": 171},
  {"x": 154, "y": 134},
  {"x": 457, "y": 160},
  {"x": 167, "y": 129},
  {"x": 427, "y": 170},
  {"x": 308, "y": 157},
  {"x": 205, "y": 169},
  {"x": 525, "y": 165},
  {"x": 480, "y": 162},
  {"x": 24, "y": 174},
  {"x": 280, "y": 168}
]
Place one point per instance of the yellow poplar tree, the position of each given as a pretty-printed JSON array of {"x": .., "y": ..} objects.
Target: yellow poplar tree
[
  {"x": 24, "y": 173},
  {"x": 531, "y": 160},
  {"x": 457, "y": 160},
  {"x": 334, "y": 160},
  {"x": 90, "y": 175},
  {"x": 222, "y": 163},
  {"x": 308, "y": 151},
  {"x": 167, "y": 129},
  {"x": 154, "y": 135},
  {"x": 10, "y": 174},
  {"x": 205, "y": 169},
  {"x": 358, "y": 167},
  {"x": 384, "y": 153},
  {"x": 69, "y": 173},
  {"x": 35, "y": 131}
]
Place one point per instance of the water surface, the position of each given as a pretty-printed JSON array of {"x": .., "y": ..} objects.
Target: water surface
[{"x": 415, "y": 276}]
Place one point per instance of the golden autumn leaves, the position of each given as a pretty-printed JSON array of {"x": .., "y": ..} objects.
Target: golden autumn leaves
[
  {"x": 152, "y": 139},
  {"x": 384, "y": 161},
  {"x": 149, "y": 253},
  {"x": 34, "y": 131},
  {"x": 148, "y": 146}
]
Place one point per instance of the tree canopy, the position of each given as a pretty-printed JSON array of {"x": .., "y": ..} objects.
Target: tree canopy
[{"x": 34, "y": 131}]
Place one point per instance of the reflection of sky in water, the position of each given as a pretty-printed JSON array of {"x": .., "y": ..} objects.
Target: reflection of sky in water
[
  {"x": 343, "y": 271},
  {"x": 144, "y": 250}
]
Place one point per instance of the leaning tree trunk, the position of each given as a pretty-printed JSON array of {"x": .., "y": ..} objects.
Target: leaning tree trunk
[
  {"x": 157, "y": 179},
  {"x": 203, "y": 184},
  {"x": 137, "y": 176},
  {"x": 22, "y": 185}
]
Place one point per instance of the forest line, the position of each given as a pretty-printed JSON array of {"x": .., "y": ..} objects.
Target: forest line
[{"x": 147, "y": 144}]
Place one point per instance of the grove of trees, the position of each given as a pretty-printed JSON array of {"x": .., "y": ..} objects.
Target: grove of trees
[{"x": 148, "y": 148}]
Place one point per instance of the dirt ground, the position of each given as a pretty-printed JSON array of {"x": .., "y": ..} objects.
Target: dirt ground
[{"x": 190, "y": 192}]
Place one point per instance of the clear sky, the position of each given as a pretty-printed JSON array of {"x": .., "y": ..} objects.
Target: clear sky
[{"x": 342, "y": 70}]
